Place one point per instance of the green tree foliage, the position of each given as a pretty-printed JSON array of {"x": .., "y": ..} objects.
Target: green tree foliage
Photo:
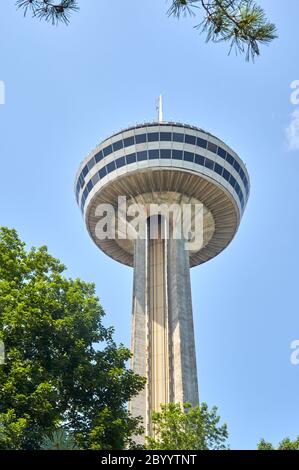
[
  {"x": 12, "y": 430},
  {"x": 54, "y": 376},
  {"x": 187, "y": 428},
  {"x": 241, "y": 23},
  {"x": 285, "y": 444}
]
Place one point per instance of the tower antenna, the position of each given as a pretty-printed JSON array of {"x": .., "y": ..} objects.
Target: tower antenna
[{"x": 160, "y": 108}]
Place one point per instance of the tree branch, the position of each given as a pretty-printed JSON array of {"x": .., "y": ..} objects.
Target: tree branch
[
  {"x": 241, "y": 22},
  {"x": 53, "y": 12}
]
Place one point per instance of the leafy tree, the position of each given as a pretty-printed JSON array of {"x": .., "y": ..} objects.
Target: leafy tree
[
  {"x": 285, "y": 444},
  {"x": 11, "y": 430},
  {"x": 242, "y": 23},
  {"x": 187, "y": 428},
  {"x": 54, "y": 376}
]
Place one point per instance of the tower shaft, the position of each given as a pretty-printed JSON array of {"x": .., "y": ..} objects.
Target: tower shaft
[{"x": 163, "y": 343}]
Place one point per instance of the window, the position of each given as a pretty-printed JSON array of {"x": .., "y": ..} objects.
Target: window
[
  {"x": 221, "y": 152},
  {"x": 209, "y": 164},
  {"x": 199, "y": 159},
  {"x": 111, "y": 167},
  {"x": 226, "y": 174},
  {"x": 141, "y": 156},
  {"x": 91, "y": 163},
  {"x": 102, "y": 172},
  {"x": 232, "y": 181},
  {"x": 153, "y": 136},
  {"x": 107, "y": 150},
  {"x": 120, "y": 162},
  {"x": 242, "y": 201},
  {"x": 98, "y": 157},
  {"x": 165, "y": 153},
  {"x": 236, "y": 166},
  {"x": 95, "y": 179},
  {"x": 188, "y": 156},
  {"x": 218, "y": 169},
  {"x": 178, "y": 137},
  {"x": 165, "y": 136},
  {"x": 131, "y": 158},
  {"x": 117, "y": 145},
  {"x": 129, "y": 141},
  {"x": 246, "y": 187},
  {"x": 85, "y": 170},
  {"x": 230, "y": 159},
  {"x": 152, "y": 154},
  {"x": 140, "y": 138},
  {"x": 177, "y": 154},
  {"x": 81, "y": 180},
  {"x": 201, "y": 143},
  {"x": 237, "y": 188},
  {"x": 190, "y": 139},
  {"x": 212, "y": 147}
]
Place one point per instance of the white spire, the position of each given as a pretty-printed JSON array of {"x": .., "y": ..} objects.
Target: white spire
[{"x": 160, "y": 109}]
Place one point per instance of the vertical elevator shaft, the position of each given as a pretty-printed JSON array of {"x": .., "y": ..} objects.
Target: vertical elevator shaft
[
  {"x": 158, "y": 344},
  {"x": 163, "y": 345}
]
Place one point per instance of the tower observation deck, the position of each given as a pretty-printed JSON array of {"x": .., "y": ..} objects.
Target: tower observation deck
[{"x": 166, "y": 163}]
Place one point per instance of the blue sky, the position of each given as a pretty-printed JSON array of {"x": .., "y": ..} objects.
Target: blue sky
[{"x": 69, "y": 87}]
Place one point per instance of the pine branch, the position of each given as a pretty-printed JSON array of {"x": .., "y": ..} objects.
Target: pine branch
[
  {"x": 182, "y": 8},
  {"x": 51, "y": 11},
  {"x": 242, "y": 23}
]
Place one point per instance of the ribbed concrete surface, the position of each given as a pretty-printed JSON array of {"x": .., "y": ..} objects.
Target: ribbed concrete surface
[
  {"x": 163, "y": 343},
  {"x": 214, "y": 197}
]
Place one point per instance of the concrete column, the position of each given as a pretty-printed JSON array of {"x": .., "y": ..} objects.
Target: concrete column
[
  {"x": 139, "y": 341},
  {"x": 184, "y": 386},
  {"x": 163, "y": 344},
  {"x": 157, "y": 321}
]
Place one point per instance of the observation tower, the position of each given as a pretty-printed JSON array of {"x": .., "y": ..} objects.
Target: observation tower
[{"x": 166, "y": 163}]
